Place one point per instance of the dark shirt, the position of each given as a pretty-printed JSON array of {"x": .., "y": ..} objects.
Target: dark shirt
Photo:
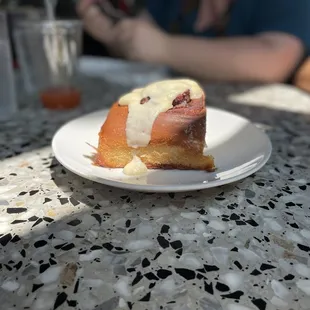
[{"x": 246, "y": 17}]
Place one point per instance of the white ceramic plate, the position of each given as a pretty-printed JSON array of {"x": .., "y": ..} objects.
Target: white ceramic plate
[{"x": 238, "y": 146}]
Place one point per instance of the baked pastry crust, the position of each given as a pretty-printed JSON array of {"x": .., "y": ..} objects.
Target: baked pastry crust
[{"x": 177, "y": 139}]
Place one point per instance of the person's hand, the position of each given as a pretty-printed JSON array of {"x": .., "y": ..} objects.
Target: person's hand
[
  {"x": 139, "y": 40},
  {"x": 97, "y": 24}
]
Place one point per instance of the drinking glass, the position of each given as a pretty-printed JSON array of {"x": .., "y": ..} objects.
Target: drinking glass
[
  {"x": 8, "y": 104},
  {"x": 48, "y": 53}
]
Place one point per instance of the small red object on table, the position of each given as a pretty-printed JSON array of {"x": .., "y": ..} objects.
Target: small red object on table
[{"x": 60, "y": 97}]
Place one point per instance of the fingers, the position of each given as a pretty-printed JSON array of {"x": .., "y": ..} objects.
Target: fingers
[
  {"x": 83, "y": 6},
  {"x": 123, "y": 31},
  {"x": 205, "y": 16},
  {"x": 123, "y": 35},
  {"x": 95, "y": 22}
]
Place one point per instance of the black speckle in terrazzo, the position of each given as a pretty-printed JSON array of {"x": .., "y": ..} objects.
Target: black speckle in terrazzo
[
  {"x": 201, "y": 270},
  {"x": 40, "y": 243},
  {"x": 163, "y": 273},
  {"x": 22, "y": 193},
  {"x": 91, "y": 197},
  {"x": 209, "y": 288},
  {"x": 290, "y": 204},
  {"x": 294, "y": 225},
  {"x": 76, "y": 287},
  {"x": 72, "y": 303},
  {"x": 234, "y": 217},
  {"x": 128, "y": 223},
  {"x": 210, "y": 268},
  {"x": 63, "y": 201},
  {"x": 46, "y": 200},
  {"x": 18, "y": 265},
  {"x": 36, "y": 287},
  {"x": 264, "y": 267},
  {"x": 23, "y": 253},
  {"x": 234, "y": 295},
  {"x": 16, "y": 210},
  {"x": 74, "y": 222},
  {"x": 164, "y": 229},
  {"x": 37, "y": 222},
  {"x": 176, "y": 244},
  {"x": 238, "y": 265},
  {"x": 235, "y": 249},
  {"x": 73, "y": 201},
  {"x": 252, "y": 223},
  {"x": 303, "y": 247},
  {"x": 250, "y": 202},
  {"x": 221, "y": 287},
  {"x": 131, "y": 230},
  {"x": 145, "y": 263},
  {"x": 59, "y": 246},
  {"x": 44, "y": 267},
  {"x": 60, "y": 299},
  {"x": 147, "y": 297},
  {"x": 96, "y": 247},
  {"x": 18, "y": 222},
  {"x": 289, "y": 277},
  {"x": 219, "y": 198},
  {"x": 260, "y": 303},
  {"x": 171, "y": 195},
  {"x": 179, "y": 251},
  {"x": 131, "y": 269},
  {"x": 255, "y": 272},
  {"x": 137, "y": 279},
  {"x": 68, "y": 247},
  {"x": 199, "y": 276},
  {"x": 15, "y": 239},
  {"x": 163, "y": 242},
  {"x": 130, "y": 305},
  {"x": 186, "y": 273},
  {"x": 108, "y": 246},
  {"x": 33, "y": 192},
  {"x": 211, "y": 240},
  {"x": 152, "y": 284},
  {"x": 151, "y": 276},
  {"x": 240, "y": 223},
  {"x": 48, "y": 219},
  {"x": 266, "y": 239},
  {"x": 9, "y": 268},
  {"x": 33, "y": 218},
  {"x": 201, "y": 211},
  {"x": 4, "y": 240}
]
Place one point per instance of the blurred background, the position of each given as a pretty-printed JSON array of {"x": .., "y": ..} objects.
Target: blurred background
[
  {"x": 209, "y": 40},
  {"x": 64, "y": 9}
]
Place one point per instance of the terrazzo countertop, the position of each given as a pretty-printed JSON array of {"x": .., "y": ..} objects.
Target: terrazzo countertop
[{"x": 68, "y": 243}]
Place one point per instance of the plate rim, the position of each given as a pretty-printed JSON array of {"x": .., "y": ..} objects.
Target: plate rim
[{"x": 163, "y": 188}]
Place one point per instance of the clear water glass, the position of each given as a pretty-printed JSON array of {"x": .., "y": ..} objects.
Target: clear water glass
[
  {"x": 8, "y": 104},
  {"x": 48, "y": 53}
]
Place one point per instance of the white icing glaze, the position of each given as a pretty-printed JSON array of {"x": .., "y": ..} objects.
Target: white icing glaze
[
  {"x": 135, "y": 168},
  {"x": 141, "y": 117}
]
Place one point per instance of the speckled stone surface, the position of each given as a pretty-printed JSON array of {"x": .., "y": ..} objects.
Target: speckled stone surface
[{"x": 68, "y": 243}]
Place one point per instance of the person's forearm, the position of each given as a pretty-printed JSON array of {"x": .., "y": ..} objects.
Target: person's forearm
[{"x": 230, "y": 59}]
